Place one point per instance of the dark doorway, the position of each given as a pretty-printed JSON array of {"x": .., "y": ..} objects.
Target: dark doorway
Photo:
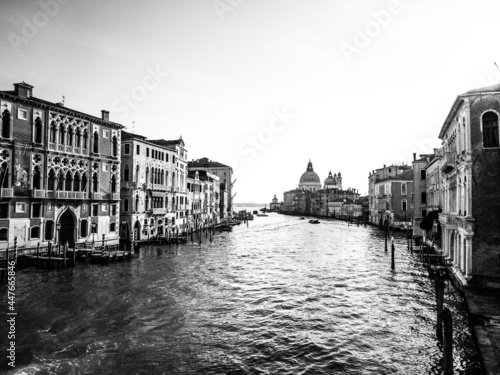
[
  {"x": 137, "y": 231},
  {"x": 67, "y": 230}
]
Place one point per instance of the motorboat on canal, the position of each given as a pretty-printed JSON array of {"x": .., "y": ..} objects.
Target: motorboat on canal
[
  {"x": 314, "y": 221},
  {"x": 223, "y": 228},
  {"x": 301, "y": 218}
]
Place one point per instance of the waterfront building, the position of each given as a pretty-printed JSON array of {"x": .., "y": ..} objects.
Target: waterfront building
[
  {"x": 223, "y": 201},
  {"x": 224, "y": 172},
  {"x": 59, "y": 172},
  {"x": 393, "y": 197},
  {"x": 275, "y": 205},
  {"x": 470, "y": 171},
  {"x": 147, "y": 173},
  {"x": 177, "y": 195},
  {"x": 376, "y": 213},
  {"x": 204, "y": 198},
  {"x": 419, "y": 198}
]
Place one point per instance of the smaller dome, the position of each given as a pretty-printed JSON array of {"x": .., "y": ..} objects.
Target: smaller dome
[{"x": 330, "y": 181}]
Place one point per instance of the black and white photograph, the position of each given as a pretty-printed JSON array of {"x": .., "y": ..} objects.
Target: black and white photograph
[{"x": 293, "y": 187}]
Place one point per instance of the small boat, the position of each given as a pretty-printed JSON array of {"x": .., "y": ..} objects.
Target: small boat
[
  {"x": 233, "y": 223},
  {"x": 255, "y": 212},
  {"x": 223, "y": 228},
  {"x": 262, "y": 215},
  {"x": 314, "y": 221},
  {"x": 302, "y": 218}
]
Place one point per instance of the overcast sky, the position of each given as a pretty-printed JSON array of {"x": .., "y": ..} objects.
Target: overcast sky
[{"x": 262, "y": 85}]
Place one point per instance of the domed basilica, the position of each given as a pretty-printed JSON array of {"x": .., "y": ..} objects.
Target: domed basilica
[{"x": 310, "y": 180}]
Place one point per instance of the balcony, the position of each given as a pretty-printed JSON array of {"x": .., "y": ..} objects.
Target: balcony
[
  {"x": 449, "y": 162},
  {"x": 69, "y": 149},
  {"x": 52, "y": 146},
  {"x": 148, "y": 185},
  {"x": 159, "y": 187},
  {"x": 97, "y": 196},
  {"x": 159, "y": 211},
  {"x": 67, "y": 194},
  {"x": 115, "y": 196},
  {"x": 7, "y": 192}
]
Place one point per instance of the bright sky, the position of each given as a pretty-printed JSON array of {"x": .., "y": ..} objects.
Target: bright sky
[{"x": 262, "y": 85}]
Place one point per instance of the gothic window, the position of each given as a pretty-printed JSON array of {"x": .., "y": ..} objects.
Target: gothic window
[
  {"x": 70, "y": 136},
  {"x": 115, "y": 146},
  {"x": 38, "y": 130},
  {"x": 490, "y": 130},
  {"x": 60, "y": 180},
  {"x": 76, "y": 182},
  {"x": 84, "y": 182},
  {"x": 136, "y": 203},
  {"x": 137, "y": 173},
  {"x": 6, "y": 124},
  {"x": 147, "y": 202},
  {"x": 37, "y": 178},
  {"x": 62, "y": 134},
  {"x": 96, "y": 143},
  {"x": 404, "y": 205},
  {"x": 85, "y": 140},
  {"x": 4, "y": 175},
  {"x": 78, "y": 138},
  {"x": 113, "y": 184},
  {"x": 125, "y": 205},
  {"x": 53, "y": 132},
  {"x": 51, "y": 181},
  {"x": 95, "y": 183}
]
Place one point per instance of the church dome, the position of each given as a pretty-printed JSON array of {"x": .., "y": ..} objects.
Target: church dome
[
  {"x": 309, "y": 175},
  {"x": 330, "y": 181}
]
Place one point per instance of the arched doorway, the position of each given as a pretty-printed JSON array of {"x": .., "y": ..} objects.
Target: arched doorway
[
  {"x": 137, "y": 231},
  {"x": 125, "y": 232},
  {"x": 67, "y": 228}
]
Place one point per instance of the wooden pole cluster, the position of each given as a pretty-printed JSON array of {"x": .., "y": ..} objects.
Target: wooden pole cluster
[
  {"x": 393, "y": 265},
  {"x": 448, "y": 342},
  {"x": 439, "y": 284}
]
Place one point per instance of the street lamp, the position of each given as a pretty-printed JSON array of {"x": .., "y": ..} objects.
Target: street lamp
[{"x": 94, "y": 226}]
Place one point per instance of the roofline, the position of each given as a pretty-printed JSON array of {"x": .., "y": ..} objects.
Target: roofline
[
  {"x": 53, "y": 107},
  {"x": 459, "y": 101}
]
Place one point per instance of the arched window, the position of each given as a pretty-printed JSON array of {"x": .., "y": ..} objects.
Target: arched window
[
  {"x": 84, "y": 182},
  {"x": 115, "y": 146},
  {"x": 37, "y": 178},
  {"x": 51, "y": 181},
  {"x": 137, "y": 173},
  {"x": 126, "y": 173},
  {"x": 62, "y": 134},
  {"x": 38, "y": 130},
  {"x": 69, "y": 181},
  {"x": 95, "y": 183},
  {"x": 125, "y": 205},
  {"x": 4, "y": 175},
  {"x": 147, "y": 174},
  {"x": 76, "y": 182},
  {"x": 404, "y": 205},
  {"x": 113, "y": 184},
  {"x": 53, "y": 132},
  {"x": 6, "y": 124},
  {"x": 147, "y": 202},
  {"x": 137, "y": 203},
  {"x": 78, "y": 138},
  {"x": 96, "y": 143},
  {"x": 70, "y": 136},
  {"x": 60, "y": 180},
  {"x": 85, "y": 140},
  {"x": 490, "y": 130}
]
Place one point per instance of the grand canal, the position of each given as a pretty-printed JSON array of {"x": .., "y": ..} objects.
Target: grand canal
[{"x": 280, "y": 296}]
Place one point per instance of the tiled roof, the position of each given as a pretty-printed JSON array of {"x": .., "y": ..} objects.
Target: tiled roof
[
  {"x": 206, "y": 163},
  {"x": 405, "y": 176}
]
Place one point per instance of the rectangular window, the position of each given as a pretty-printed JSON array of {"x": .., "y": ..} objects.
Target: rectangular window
[
  {"x": 113, "y": 209},
  {"x": 20, "y": 207},
  {"x": 403, "y": 205},
  {"x": 104, "y": 207},
  {"x": 112, "y": 227},
  {"x": 93, "y": 228},
  {"x": 95, "y": 209},
  {"x": 403, "y": 188},
  {"x": 84, "y": 228},
  {"x": 138, "y": 150},
  {"x": 105, "y": 167},
  {"x": 35, "y": 233},
  {"x": 4, "y": 211},
  {"x": 37, "y": 210},
  {"x": 127, "y": 149},
  {"x": 49, "y": 230},
  {"x": 424, "y": 213},
  {"x": 422, "y": 174},
  {"x": 105, "y": 134},
  {"x": 424, "y": 197},
  {"x": 147, "y": 152},
  {"x": 167, "y": 157},
  {"x": 22, "y": 114}
]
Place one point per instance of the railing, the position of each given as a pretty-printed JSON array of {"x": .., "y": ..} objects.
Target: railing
[
  {"x": 115, "y": 196},
  {"x": 149, "y": 185},
  {"x": 6, "y": 192},
  {"x": 159, "y": 187},
  {"x": 69, "y": 149},
  {"x": 97, "y": 196},
  {"x": 35, "y": 193},
  {"x": 449, "y": 162},
  {"x": 67, "y": 194},
  {"x": 159, "y": 210},
  {"x": 76, "y": 150},
  {"x": 52, "y": 146},
  {"x": 60, "y": 148}
]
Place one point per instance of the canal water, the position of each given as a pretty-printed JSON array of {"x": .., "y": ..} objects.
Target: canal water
[{"x": 280, "y": 296}]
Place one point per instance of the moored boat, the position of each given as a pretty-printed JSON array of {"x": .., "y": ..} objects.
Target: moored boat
[
  {"x": 223, "y": 228},
  {"x": 314, "y": 221}
]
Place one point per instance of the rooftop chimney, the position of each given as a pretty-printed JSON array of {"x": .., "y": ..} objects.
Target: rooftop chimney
[
  {"x": 23, "y": 90},
  {"x": 414, "y": 156},
  {"x": 105, "y": 115}
]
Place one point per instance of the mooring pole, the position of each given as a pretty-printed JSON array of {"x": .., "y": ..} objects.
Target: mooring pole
[
  {"x": 386, "y": 231},
  {"x": 448, "y": 342},
  {"x": 65, "y": 246},
  {"x": 393, "y": 266},
  {"x": 439, "y": 283}
]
